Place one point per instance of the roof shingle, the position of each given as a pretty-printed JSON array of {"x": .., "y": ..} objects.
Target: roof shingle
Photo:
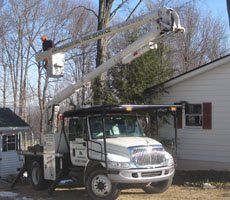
[{"x": 9, "y": 119}]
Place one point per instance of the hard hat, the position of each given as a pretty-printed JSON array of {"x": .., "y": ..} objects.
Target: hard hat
[{"x": 44, "y": 38}]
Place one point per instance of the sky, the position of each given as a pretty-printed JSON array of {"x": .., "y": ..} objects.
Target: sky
[{"x": 217, "y": 7}]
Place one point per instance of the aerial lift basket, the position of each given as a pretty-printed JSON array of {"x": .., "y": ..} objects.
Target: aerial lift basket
[{"x": 53, "y": 63}]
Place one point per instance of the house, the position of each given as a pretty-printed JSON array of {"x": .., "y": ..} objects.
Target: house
[
  {"x": 203, "y": 136},
  {"x": 13, "y": 131}
]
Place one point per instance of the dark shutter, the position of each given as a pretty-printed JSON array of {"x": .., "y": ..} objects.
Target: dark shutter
[
  {"x": 207, "y": 115},
  {"x": 4, "y": 143},
  {"x": 179, "y": 117}
]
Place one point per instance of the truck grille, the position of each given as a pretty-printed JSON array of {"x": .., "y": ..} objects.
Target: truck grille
[
  {"x": 145, "y": 156},
  {"x": 151, "y": 174}
]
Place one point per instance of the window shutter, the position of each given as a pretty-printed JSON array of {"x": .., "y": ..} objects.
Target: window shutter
[
  {"x": 179, "y": 117},
  {"x": 207, "y": 115},
  {"x": 4, "y": 143}
]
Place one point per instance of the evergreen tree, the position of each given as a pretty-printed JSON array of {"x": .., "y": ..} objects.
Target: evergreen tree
[{"x": 127, "y": 83}]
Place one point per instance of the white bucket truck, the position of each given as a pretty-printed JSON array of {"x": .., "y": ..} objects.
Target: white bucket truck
[{"x": 103, "y": 148}]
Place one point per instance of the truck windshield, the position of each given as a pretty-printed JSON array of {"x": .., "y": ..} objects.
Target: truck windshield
[{"x": 115, "y": 126}]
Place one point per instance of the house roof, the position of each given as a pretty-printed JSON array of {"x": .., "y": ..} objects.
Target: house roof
[
  {"x": 189, "y": 74},
  {"x": 9, "y": 119}
]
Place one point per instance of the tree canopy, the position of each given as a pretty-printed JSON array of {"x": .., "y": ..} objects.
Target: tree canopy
[{"x": 128, "y": 82}]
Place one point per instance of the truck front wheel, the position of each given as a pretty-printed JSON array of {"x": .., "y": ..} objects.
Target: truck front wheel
[
  {"x": 37, "y": 178},
  {"x": 157, "y": 187},
  {"x": 99, "y": 186}
]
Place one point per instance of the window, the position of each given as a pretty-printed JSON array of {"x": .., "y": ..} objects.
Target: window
[
  {"x": 96, "y": 127},
  {"x": 77, "y": 128},
  {"x": 9, "y": 142},
  {"x": 193, "y": 115},
  {"x": 115, "y": 126}
]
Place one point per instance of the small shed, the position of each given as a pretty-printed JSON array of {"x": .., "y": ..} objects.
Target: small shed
[
  {"x": 12, "y": 133},
  {"x": 204, "y": 120}
]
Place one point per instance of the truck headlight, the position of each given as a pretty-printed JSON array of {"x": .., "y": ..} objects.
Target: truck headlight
[
  {"x": 118, "y": 165},
  {"x": 168, "y": 159},
  {"x": 169, "y": 162},
  {"x": 118, "y": 162}
]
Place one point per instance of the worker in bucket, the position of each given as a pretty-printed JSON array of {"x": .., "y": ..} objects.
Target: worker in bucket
[{"x": 46, "y": 45}]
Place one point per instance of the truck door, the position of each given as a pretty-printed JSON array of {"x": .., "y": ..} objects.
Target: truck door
[{"x": 78, "y": 147}]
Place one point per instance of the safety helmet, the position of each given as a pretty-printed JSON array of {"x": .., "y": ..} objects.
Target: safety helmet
[{"x": 43, "y": 38}]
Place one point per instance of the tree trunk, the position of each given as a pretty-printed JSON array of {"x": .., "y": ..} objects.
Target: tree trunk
[
  {"x": 4, "y": 87},
  {"x": 103, "y": 22},
  {"x": 41, "y": 95}
]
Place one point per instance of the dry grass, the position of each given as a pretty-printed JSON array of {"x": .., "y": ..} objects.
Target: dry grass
[
  {"x": 178, "y": 193},
  {"x": 186, "y": 186},
  {"x": 173, "y": 193}
]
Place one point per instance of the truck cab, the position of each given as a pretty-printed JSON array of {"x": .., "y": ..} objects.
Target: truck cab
[
  {"x": 109, "y": 150},
  {"x": 104, "y": 149}
]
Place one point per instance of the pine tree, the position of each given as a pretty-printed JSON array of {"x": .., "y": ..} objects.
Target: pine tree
[{"x": 127, "y": 83}]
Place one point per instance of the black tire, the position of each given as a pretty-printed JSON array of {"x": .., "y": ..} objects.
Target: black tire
[
  {"x": 100, "y": 187},
  {"x": 157, "y": 187},
  {"x": 37, "y": 177}
]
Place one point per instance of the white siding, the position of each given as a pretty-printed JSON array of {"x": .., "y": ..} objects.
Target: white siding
[
  {"x": 196, "y": 143},
  {"x": 10, "y": 163}
]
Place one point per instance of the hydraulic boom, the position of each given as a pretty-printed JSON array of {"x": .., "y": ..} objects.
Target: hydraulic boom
[{"x": 165, "y": 22}]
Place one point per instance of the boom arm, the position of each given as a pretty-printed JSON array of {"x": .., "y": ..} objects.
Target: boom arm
[
  {"x": 123, "y": 57},
  {"x": 166, "y": 22},
  {"x": 166, "y": 18}
]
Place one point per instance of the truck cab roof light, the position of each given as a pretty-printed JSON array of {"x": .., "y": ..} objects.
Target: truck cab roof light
[
  {"x": 173, "y": 108},
  {"x": 129, "y": 109}
]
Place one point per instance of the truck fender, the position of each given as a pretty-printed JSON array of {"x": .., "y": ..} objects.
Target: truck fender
[{"x": 92, "y": 165}]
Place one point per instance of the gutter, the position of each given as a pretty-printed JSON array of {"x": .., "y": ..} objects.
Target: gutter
[
  {"x": 190, "y": 74},
  {"x": 197, "y": 72},
  {"x": 22, "y": 128}
]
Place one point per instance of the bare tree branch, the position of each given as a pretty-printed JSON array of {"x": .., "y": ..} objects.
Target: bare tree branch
[
  {"x": 117, "y": 8},
  {"x": 91, "y": 10},
  {"x": 139, "y": 2}
]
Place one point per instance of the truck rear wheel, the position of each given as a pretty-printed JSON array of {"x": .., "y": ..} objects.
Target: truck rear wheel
[
  {"x": 37, "y": 177},
  {"x": 157, "y": 187},
  {"x": 99, "y": 186}
]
